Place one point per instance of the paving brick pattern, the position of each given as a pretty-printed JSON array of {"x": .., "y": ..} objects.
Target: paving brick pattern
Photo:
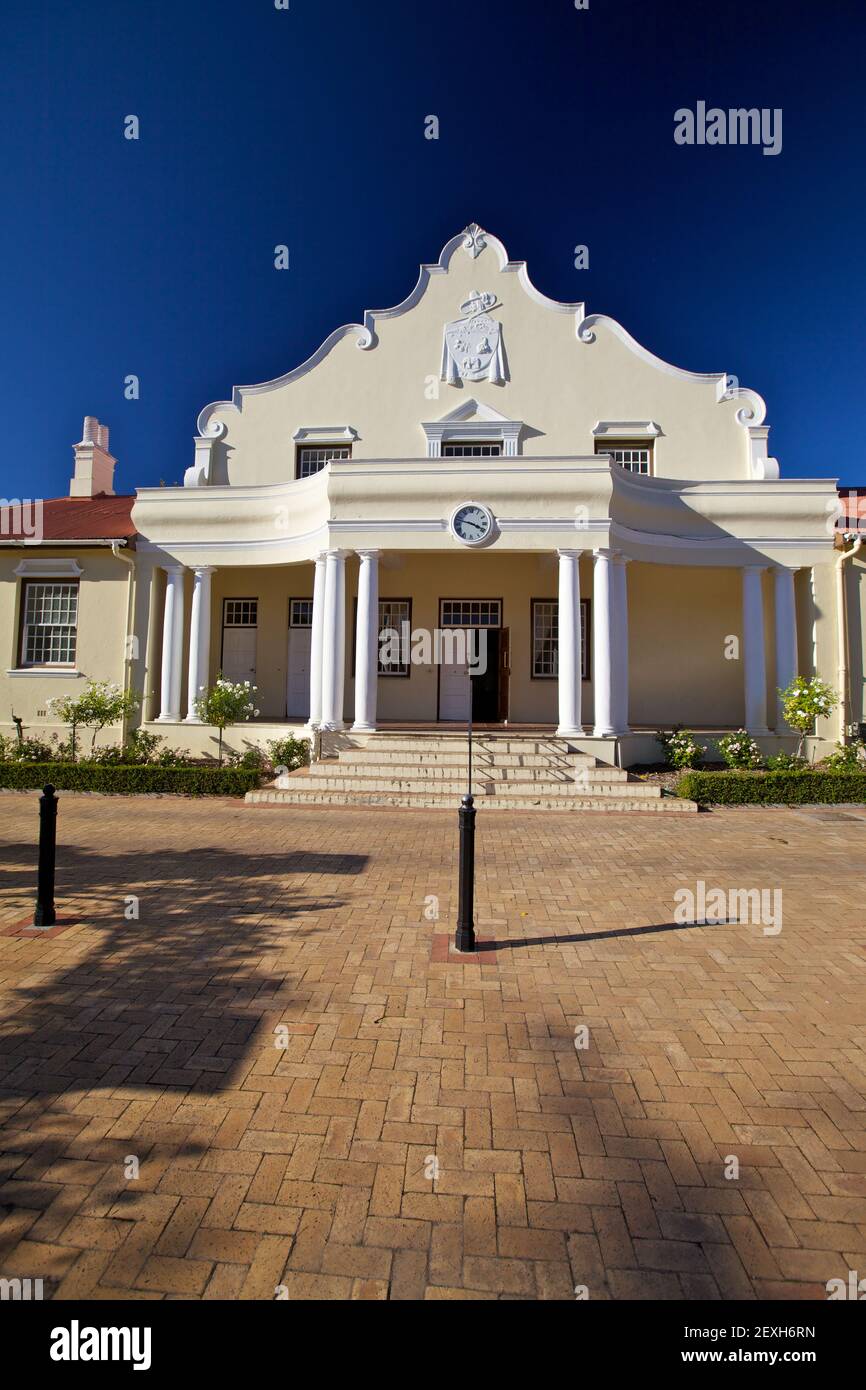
[{"x": 322, "y": 1099}]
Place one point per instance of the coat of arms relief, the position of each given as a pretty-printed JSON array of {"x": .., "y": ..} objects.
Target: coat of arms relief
[{"x": 472, "y": 348}]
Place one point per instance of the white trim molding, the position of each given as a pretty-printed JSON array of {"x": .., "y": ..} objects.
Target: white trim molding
[
  {"x": 626, "y": 429},
  {"x": 50, "y": 569},
  {"x": 45, "y": 671},
  {"x": 473, "y": 421},
  {"x": 326, "y": 434}
]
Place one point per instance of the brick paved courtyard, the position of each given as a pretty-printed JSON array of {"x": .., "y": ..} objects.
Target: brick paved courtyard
[{"x": 429, "y": 1129}]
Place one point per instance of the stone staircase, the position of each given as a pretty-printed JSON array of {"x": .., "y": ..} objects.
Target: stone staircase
[{"x": 509, "y": 772}]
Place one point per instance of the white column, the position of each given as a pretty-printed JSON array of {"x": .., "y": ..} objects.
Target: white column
[
  {"x": 334, "y": 640},
  {"x": 316, "y": 643},
  {"x": 620, "y": 634},
  {"x": 754, "y": 659},
  {"x": 786, "y": 636},
  {"x": 602, "y": 641},
  {"x": 172, "y": 646},
  {"x": 199, "y": 639},
  {"x": 367, "y": 643},
  {"x": 569, "y": 643}
]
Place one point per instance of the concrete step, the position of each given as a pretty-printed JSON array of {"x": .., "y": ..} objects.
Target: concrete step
[
  {"x": 444, "y": 743},
  {"x": 456, "y": 786},
  {"x": 458, "y": 758},
  {"x": 433, "y": 800},
  {"x": 455, "y": 771}
]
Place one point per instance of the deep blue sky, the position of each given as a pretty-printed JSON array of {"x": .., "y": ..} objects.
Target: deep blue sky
[{"x": 305, "y": 127}]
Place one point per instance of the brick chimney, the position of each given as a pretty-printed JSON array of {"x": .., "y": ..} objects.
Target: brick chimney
[{"x": 94, "y": 465}]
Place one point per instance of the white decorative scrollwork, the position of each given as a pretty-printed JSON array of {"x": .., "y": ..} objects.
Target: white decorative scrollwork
[{"x": 474, "y": 240}]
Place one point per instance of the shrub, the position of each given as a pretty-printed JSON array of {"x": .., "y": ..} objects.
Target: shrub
[
  {"x": 249, "y": 758},
  {"x": 680, "y": 748},
  {"x": 785, "y": 762},
  {"x": 805, "y": 700},
  {"x": 109, "y": 754},
  {"x": 772, "y": 788},
  {"x": 31, "y": 750},
  {"x": 142, "y": 746},
  {"x": 173, "y": 757},
  {"x": 740, "y": 750},
  {"x": 846, "y": 757},
  {"x": 287, "y": 754},
  {"x": 129, "y": 778},
  {"x": 225, "y": 703}
]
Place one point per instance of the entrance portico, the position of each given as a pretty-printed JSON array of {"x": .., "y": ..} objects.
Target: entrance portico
[{"x": 588, "y": 654}]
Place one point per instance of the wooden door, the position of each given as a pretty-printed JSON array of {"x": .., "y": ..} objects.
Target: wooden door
[{"x": 504, "y": 674}]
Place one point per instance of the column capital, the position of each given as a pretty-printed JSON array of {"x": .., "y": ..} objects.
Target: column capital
[
  {"x": 367, "y": 553},
  {"x": 620, "y": 558},
  {"x": 570, "y": 554},
  {"x": 603, "y": 552},
  {"x": 174, "y": 568},
  {"x": 756, "y": 569},
  {"x": 203, "y": 569}
]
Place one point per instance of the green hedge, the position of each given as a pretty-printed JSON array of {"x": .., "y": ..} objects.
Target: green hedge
[
  {"x": 130, "y": 779},
  {"x": 769, "y": 788}
]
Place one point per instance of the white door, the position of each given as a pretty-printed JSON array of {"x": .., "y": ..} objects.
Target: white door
[
  {"x": 239, "y": 654},
  {"x": 298, "y": 680},
  {"x": 454, "y": 689}
]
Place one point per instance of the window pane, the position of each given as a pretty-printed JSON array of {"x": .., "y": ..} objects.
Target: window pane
[
  {"x": 393, "y": 614},
  {"x": 50, "y": 622},
  {"x": 241, "y": 612}
]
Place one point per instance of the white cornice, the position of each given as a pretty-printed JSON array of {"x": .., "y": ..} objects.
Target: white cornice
[
  {"x": 67, "y": 568},
  {"x": 326, "y": 434},
  {"x": 622, "y": 429}
]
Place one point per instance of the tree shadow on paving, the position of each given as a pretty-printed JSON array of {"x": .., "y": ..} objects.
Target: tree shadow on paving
[{"x": 174, "y": 997}]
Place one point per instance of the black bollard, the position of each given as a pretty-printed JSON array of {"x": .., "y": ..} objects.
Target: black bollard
[
  {"x": 464, "y": 937},
  {"x": 45, "y": 916}
]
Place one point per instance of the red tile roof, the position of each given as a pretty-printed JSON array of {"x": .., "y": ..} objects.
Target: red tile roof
[{"x": 79, "y": 519}]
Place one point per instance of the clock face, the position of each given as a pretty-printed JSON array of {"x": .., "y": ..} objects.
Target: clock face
[{"x": 472, "y": 523}]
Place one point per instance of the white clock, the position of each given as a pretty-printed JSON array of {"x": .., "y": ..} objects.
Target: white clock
[{"x": 472, "y": 523}]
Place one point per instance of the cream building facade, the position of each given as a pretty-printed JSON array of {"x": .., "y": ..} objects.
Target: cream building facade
[{"x": 610, "y": 529}]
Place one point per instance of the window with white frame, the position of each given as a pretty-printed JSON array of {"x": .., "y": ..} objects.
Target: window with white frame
[
  {"x": 313, "y": 457},
  {"x": 636, "y": 456},
  {"x": 301, "y": 612},
  {"x": 395, "y": 616},
  {"x": 49, "y": 623},
  {"x": 471, "y": 612},
  {"x": 481, "y": 450},
  {"x": 545, "y": 639},
  {"x": 241, "y": 612}
]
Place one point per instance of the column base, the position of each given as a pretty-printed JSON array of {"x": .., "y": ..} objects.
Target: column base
[
  {"x": 759, "y": 732},
  {"x": 363, "y": 728},
  {"x": 332, "y": 726},
  {"x": 168, "y": 718},
  {"x": 192, "y": 719},
  {"x": 604, "y": 731},
  {"x": 569, "y": 731}
]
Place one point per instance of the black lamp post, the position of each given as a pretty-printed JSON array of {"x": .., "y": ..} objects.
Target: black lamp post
[
  {"x": 45, "y": 915},
  {"x": 464, "y": 937}
]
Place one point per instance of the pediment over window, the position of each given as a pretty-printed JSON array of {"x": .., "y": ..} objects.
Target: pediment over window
[{"x": 472, "y": 421}]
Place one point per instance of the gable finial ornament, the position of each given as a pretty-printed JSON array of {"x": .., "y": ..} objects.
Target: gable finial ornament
[
  {"x": 474, "y": 240},
  {"x": 472, "y": 348}
]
